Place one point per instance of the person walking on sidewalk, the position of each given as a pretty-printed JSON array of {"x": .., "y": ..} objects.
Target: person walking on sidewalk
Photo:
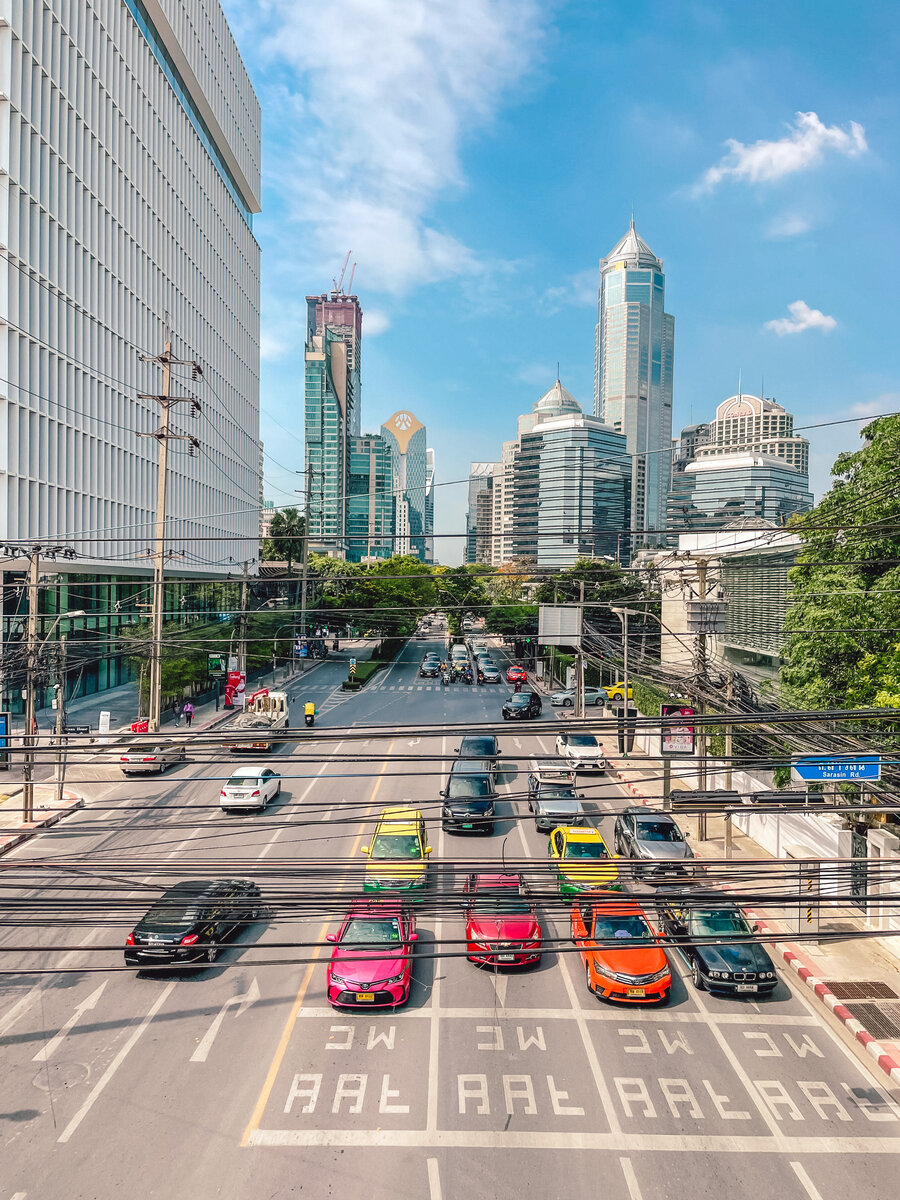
[
  {"x": 188, "y": 711},
  {"x": 178, "y": 710}
]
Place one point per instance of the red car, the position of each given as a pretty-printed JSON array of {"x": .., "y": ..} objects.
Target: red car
[
  {"x": 502, "y": 928},
  {"x": 516, "y": 674},
  {"x": 622, "y": 957},
  {"x": 371, "y": 964}
]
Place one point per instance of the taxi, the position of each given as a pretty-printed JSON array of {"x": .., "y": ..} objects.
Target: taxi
[
  {"x": 623, "y": 959},
  {"x": 398, "y": 853},
  {"x": 582, "y": 861}
]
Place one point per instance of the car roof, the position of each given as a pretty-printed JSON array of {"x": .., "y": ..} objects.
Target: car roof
[
  {"x": 406, "y": 820},
  {"x": 471, "y": 766},
  {"x": 376, "y": 909},
  {"x": 621, "y": 908},
  {"x": 247, "y": 772},
  {"x": 498, "y": 881},
  {"x": 190, "y": 889},
  {"x": 578, "y": 833}
]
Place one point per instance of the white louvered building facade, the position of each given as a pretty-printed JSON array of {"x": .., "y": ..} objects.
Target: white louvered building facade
[{"x": 129, "y": 173}]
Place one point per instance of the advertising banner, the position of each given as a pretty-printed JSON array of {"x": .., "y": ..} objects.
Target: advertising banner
[
  {"x": 677, "y": 738},
  {"x": 235, "y": 686}
]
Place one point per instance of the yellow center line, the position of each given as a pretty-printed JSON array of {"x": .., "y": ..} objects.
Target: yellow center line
[{"x": 281, "y": 1049}]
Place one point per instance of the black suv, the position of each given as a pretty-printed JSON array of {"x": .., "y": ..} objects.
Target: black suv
[
  {"x": 469, "y": 797},
  {"x": 478, "y": 745},
  {"x": 189, "y": 920},
  {"x": 521, "y": 706}
]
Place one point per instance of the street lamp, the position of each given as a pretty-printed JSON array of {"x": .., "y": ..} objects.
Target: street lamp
[{"x": 28, "y": 764}]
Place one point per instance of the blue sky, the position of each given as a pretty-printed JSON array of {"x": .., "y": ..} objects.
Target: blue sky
[{"x": 479, "y": 156}]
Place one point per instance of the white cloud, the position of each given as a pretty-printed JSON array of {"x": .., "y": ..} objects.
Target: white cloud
[
  {"x": 787, "y": 225},
  {"x": 803, "y": 147},
  {"x": 579, "y": 290},
  {"x": 390, "y": 88},
  {"x": 271, "y": 347},
  {"x": 887, "y": 402},
  {"x": 375, "y": 322},
  {"x": 802, "y": 317}
]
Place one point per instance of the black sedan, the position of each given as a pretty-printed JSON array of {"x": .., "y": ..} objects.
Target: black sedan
[
  {"x": 522, "y": 706},
  {"x": 718, "y": 946},
  {"x": 429, "y": 668},
  {"x": 189, "y": 922}
]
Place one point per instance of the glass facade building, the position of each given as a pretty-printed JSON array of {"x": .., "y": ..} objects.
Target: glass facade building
[
  {"x": 406, "y": 437},
  {"x": 429, "y": 505},
  {"x": 633, "y": 370},
  {"x": 480, "y": 482},
  {"x": 370, "y": 503},
  {"x": 713, "y": 492}
]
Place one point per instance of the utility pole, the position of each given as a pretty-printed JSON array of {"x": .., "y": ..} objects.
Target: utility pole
[
  {"x": 242, "y": 646},
  {"x": 61, "y": 741},
  {"x": 304, "y": 566},
  {"x": 163, "y": 434},
  {"x": 729, "y": 696},
  {"x": 31, "y": 638},
  {"x": 579, "y": 662},
  {"x": 701, "y": 707}
]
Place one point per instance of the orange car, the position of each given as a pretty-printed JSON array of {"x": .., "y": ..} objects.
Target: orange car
[{"x": 622, "y": 957}]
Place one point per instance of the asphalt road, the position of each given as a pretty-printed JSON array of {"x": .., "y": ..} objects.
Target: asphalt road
[{"x": 240, "y": 1080}]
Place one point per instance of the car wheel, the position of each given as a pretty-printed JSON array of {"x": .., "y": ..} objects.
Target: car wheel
[
  {"x": 212, "y": 953},
  {"x": 696, "y": 977},
  {"x": 278, "y": 791},
  {"x": 568, "y": 703},
  {"x": 587, "y": 978},
  {"x": 162, "y": 767}
]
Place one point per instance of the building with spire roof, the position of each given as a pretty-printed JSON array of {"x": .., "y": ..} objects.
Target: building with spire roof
[{"x": 633, "y": 370}]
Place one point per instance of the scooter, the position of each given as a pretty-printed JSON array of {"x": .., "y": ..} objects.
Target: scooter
[{"x": 309, "y": 718}]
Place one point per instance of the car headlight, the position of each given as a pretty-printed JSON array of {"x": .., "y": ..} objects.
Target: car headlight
[
  {"x": 769, "y": 975},
  {"x": 719, "y": 974},
  {"x": 337, "y": 981},
  {"x": 393, "y": 979}
]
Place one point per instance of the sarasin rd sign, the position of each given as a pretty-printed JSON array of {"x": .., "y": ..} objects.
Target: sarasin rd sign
[{"x": 825, "y": 768}]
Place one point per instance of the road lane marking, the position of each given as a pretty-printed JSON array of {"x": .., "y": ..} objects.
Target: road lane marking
[
  {"x": 808, "y": 1186},
  {"x": 242, "y": 1002},
  {"x": 284, "y": 1041},
  {"x": 631, "y": 1182},
  {"x": 434, "y": 1180},
  {"x": 641, "y": 1016},
  {"x": 56, "y": 1041},
  {"x": 492, "y": 1139},
  {"x": 115, "y": 1064},
  {"x": 500, "y": 983},
  {"x": 434, "y": 1033}
]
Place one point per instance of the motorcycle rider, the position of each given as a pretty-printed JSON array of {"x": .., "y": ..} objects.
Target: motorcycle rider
[
  {"x": 518, "y": 685},
  {"x": 309, "y": 712}
]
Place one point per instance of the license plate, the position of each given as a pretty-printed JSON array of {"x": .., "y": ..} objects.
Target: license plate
[
  {"x": 506, "y": 958},
  {"x": 360, "y": 996},
  {"x": 746, "y": 987},
  {"x": 468, "y": 825},
  {"x": 634, "y": 992}
]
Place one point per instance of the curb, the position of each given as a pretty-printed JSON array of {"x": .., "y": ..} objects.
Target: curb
[
  {"x": 817, "y": 986},
  {"x": 11, "y": 840}
]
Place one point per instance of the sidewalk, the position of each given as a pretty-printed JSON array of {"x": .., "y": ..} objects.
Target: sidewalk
[{"x": 858, "y": 979}]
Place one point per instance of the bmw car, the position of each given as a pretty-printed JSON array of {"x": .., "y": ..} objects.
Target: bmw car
[{"x": 718, "y": 945}]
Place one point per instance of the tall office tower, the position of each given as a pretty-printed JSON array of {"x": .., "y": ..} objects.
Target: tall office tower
[
  {"x": 370, "y": 505},
  {"x": 331, "y": 413},
  {"x": 129, "y": 153},
  {"x": 757, "y": 425},
  {"x": 406, "y": 436},
  {"x": 480, "y": 482},
  {"x": 634, "y": 355},
  {"x": 714, "y": 492},
  {"x": 429, "y": 505},
  {"x": 571, "y": 484}
]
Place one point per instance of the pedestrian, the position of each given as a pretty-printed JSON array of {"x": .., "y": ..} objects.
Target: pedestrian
[
  {"x": 178, "y": 709},
  {"x": 188, "y": 710}
]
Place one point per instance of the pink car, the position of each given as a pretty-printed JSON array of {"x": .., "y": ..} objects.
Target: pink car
[{"x": 371, "y": 964}]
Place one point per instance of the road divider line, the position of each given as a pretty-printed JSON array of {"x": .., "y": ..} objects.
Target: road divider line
[
  {"x": 434, "y": 1033},
  {"x": 631, "y": 1182},
  {"x": 807, "y": 1184},
  {"x": 115, "y": 1064},
  {"x": 284, "y": 1040},
  {"x": 434, "y": 1180}
]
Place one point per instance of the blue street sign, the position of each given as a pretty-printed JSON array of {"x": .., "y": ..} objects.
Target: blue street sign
[{"x": 824, "y": 768}]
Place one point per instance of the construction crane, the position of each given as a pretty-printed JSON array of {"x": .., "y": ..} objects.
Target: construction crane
[
  {"x": 350, "y": 284},
  {"x": 339, "y": 282}
]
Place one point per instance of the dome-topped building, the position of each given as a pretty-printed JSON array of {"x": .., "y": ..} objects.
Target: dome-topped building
[{"x": 556, "y": 402}]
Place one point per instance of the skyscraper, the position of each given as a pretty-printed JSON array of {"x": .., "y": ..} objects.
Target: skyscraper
[
  {"x": 333, "y": 387},
  {"x": 754, "y": 423},
  {"x": 429, "y": 505},
  {"x": 370, "y": 504},
  {"x": 480, "y": 482},
  {"x": 406, "y": 436},
  {"x": 634, "y": 355}
]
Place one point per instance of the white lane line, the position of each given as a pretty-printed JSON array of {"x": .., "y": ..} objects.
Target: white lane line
[
  {"x": 631, "y": 1182},
  {"x": 22, "y": 1005},
  {"x": 540, "y": 741},
  {"x": 270, "y": 843},
  {"x": 434, "y": 1032},
  {"x": 89, "y": 1002},
  {"x": 19, "y": 1196},
  {"x": 434, "y": 1180},
  {"x": 565, "y": 1014},
  {"x": 115, "y": 1064},
  {"x": 808, "y": 1186}
]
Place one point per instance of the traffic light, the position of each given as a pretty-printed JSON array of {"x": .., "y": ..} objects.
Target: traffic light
[{"x": 528, "y": 641}]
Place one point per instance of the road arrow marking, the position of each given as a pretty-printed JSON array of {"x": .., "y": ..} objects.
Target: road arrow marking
[
  {"x": 415, "y": 741},
  {"x": 55, "y": 1042},
  {"x": 500, "y": 982},
  {"x": 242, "y": 1002}
]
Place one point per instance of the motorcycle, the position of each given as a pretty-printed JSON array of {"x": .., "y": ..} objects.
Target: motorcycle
[
  {"x": 467, "y": 677},
  {"x": 309, "y": 718}
]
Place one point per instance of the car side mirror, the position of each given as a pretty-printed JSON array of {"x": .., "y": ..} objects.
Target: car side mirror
[
  {"x": 413, "y": 937},
  {"x": 443, "y": 791},
  {"x": 686, "y": 836},
  {"x": 456, "y": 750},
  {"x": 756, "y": 929},
  {"x": 331, "y": 937},
  {"x": 364, "y": 849},
  {"x": 427, "y": 849}
]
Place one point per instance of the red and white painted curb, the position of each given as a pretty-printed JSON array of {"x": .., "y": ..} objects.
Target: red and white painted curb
[
  {"x": 792, "y": 957},
  {"x": 70, "y": 803}
]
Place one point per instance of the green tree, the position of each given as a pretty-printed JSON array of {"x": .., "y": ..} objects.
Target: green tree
[
  {"x": 285, "y": 540},
  {"x": 460, "y": 590},
  {"x": 605, "y": 583},
  {"x": 845, "y": 598}
]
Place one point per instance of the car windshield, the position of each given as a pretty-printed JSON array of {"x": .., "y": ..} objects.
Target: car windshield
[
  {"x": 470, "y": 785},
  {"x": 715, "y": 922},
  {"x": 361, "y": 931},
  {"x": 396, "y": 845},
  {"x": 549, "y": 792},
  {"x": 520, "y": 700},
  {"x": 659, "y": 831},
  {"x": 242, "y": 781},
  {"x": 170, "y": 914},
  {"x": 582, "y": 739},
  {"x": 502, "y": 903},
  {"x": 619, "y": 928},
  {"x": 586, "y": 850}
]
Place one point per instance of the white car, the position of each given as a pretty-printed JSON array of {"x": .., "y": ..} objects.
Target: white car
[
  {"x": 149, "y": 755},
  {"x": 566, "y": 697},
  {"x": 250, "y": 787},
  {"x": 581, "y": 751}
]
